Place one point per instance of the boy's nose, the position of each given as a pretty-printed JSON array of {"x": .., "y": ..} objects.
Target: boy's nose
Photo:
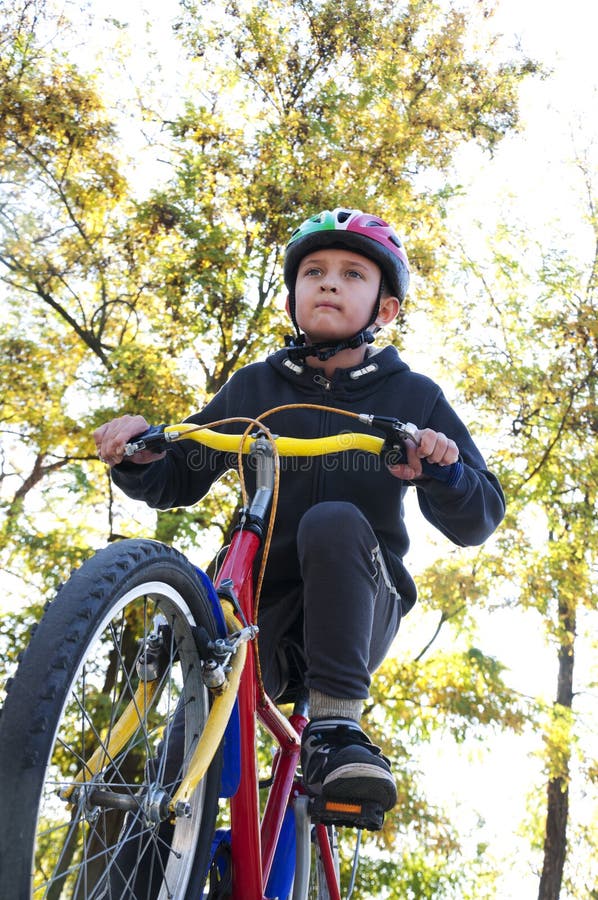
[{"x": 328, "y": 286}]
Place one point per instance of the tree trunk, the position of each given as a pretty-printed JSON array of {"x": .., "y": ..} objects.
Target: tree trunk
[
  {"x": 555, "y": 839},
  {"x": 557, "y": 795}
]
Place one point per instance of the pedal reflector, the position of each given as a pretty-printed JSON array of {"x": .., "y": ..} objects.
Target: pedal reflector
[
  {"x": 361, "y": 814},
  {"x": 331, "y": 806}
]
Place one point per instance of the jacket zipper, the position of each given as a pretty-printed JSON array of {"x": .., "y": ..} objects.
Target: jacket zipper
[{"x": 323, "y": 382}]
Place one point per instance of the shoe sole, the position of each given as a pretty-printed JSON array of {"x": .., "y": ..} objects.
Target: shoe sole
[{"x": 355, "y": 782}]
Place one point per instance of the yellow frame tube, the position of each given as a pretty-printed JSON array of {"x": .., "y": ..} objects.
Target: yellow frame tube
[{"x": 217, "y": 720}]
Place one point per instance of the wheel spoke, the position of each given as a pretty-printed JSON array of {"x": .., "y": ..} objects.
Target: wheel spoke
[{"x": 118, "y": 841}]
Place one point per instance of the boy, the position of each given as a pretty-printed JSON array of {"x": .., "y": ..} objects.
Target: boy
[{"x": 337, "y": 549}]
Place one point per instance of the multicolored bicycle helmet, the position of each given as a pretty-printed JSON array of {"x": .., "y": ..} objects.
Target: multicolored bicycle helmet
[{"x": 353, "y": 230}]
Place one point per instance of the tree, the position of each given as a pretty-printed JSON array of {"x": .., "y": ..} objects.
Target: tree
[
  {"x": 139, "y": 294},
  {"x": 537, "y": 362},
  {"x": 115, "y": 301},
  {"x": 335, "y": 103}
]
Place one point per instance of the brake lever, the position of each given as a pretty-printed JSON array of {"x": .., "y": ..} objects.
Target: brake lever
[
  {"x": 153, "y": 439},
  {"x": 396, "y": 434}
]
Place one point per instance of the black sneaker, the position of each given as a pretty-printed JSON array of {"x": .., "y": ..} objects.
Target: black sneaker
[{"x": 340, "y": 762}]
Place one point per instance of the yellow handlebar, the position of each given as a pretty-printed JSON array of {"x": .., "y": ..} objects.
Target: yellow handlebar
[{"x": 287, "y": 446}]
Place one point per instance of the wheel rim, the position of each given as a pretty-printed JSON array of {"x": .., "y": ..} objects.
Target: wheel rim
[{"x": 77, "y": 843}]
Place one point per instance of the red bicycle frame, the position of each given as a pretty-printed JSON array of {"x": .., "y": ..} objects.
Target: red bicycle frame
[{"x": 253, "y": 842}]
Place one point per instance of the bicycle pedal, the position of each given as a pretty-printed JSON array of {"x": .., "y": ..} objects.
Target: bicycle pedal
[{"x": 357, "y": 814}]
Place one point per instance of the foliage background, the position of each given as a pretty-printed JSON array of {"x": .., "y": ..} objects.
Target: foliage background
[{"x": 141, "y": 230}]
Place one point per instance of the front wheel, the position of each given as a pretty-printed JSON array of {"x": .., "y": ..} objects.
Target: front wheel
[{"x": 84, "y": 812}]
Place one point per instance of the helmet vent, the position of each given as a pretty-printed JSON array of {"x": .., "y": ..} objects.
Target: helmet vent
[{"x": 344, "y": 214}]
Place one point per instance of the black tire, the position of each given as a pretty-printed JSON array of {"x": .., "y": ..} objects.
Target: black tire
[{"x": 76, "y": 676}]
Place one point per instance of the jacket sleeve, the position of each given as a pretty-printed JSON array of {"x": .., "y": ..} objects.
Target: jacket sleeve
[
  {"x": 189, "y": 469},
  {"x": 470, "y": 511}
]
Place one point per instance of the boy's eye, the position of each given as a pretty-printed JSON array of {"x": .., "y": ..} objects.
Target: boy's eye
[{"x": 317, "y": 271}]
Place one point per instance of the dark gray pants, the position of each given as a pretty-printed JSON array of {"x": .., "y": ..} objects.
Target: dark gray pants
[{"x": 334, "y": 628}]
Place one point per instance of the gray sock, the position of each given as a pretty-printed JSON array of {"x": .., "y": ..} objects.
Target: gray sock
[{"x": 322, "y": 706}]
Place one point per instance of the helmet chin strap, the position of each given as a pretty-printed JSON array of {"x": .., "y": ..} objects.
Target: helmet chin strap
[{"x": 299, "y": 350}]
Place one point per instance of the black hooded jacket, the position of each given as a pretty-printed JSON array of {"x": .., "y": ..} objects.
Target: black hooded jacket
[{"x": 383, "y": 385}]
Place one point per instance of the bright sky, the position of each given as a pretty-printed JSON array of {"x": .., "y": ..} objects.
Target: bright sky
[
  {"x": 529, "y": 178},
  {"x": 528, "y": 181}
]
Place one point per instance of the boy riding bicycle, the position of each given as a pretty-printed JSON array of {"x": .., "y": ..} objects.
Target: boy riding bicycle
[{"x": 335, "y": 586}]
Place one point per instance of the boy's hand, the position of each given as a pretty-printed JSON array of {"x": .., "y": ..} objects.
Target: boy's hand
[
  {"x": 111, "y": 439},
  {"x": 431, "y": 445}
]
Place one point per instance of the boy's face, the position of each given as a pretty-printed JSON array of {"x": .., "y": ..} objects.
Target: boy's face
[{"x": 335, "y": 294}]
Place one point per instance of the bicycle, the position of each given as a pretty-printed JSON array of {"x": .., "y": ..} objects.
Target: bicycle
[{"x": 134, "y": 708}]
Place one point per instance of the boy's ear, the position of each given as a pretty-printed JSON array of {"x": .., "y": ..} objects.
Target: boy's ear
[
  {"x": 389, "y": 310},
  {"x": 287, "y": 305}
]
